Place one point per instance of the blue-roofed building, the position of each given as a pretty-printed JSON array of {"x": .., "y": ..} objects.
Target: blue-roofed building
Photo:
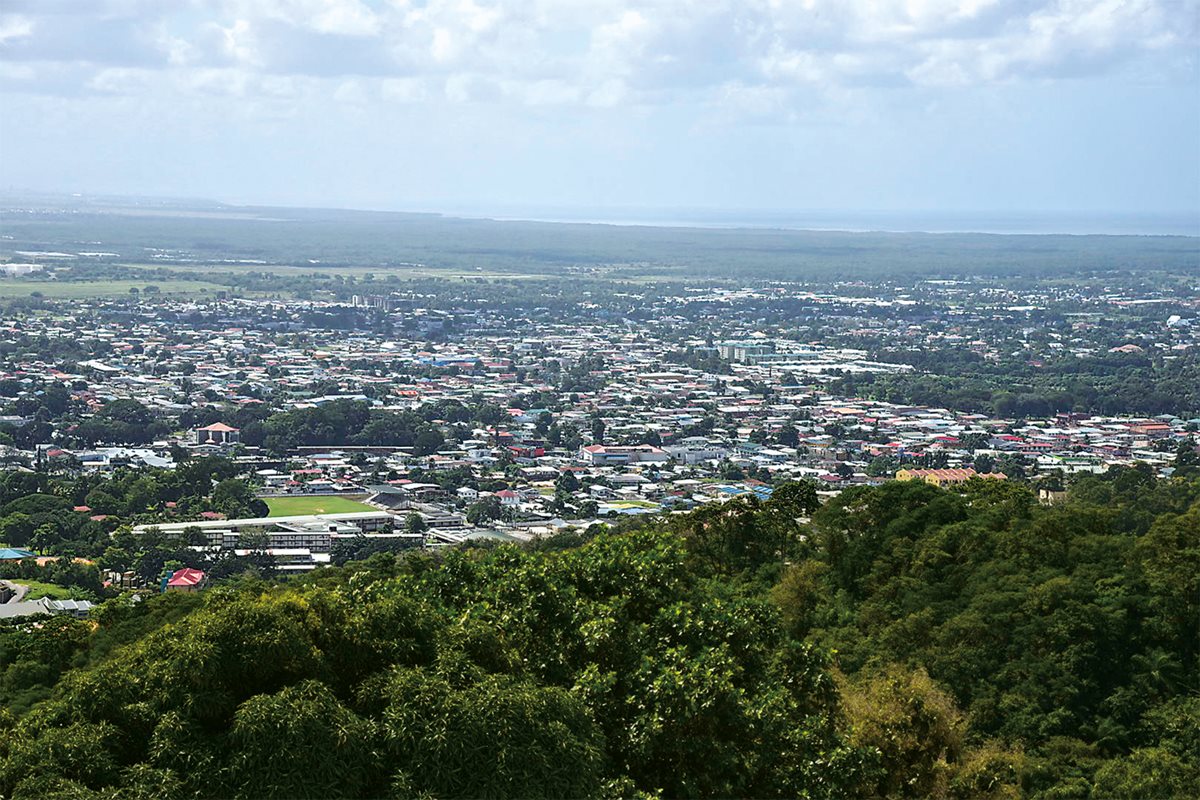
[
  {"x": 761, "y": 492},
  {"x": 15, "y": 554}
]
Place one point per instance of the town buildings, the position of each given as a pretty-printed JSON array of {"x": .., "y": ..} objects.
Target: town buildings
[{"x": 575, "y": 411}]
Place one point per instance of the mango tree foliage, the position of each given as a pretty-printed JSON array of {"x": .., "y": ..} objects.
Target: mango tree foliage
[
  {"x": 1060, "y": 630},
  {"x": 907, "y": 641},
  {"x": 612, "y": 668}
]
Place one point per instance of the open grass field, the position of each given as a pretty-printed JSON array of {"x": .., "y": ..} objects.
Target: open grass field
[
  {"x": 293, "y": 270},
  {"x": 85, "y": 289},
  {"x": 38, "y": 590},
  {"x": 319, "y": 504}
]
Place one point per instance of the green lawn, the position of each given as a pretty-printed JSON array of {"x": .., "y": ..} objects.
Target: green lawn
[
  {"x": 294, "y": 506},
  {"x": 449, "y": 273},
  {"x": 38, "y": 590},
  {"x": 85, "y": 289}
]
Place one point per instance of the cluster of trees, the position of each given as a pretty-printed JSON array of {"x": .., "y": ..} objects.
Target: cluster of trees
[
  {"x": 639, "y": 663},
  {"x": 36, "y": 509},
  {"x": 898, "y": 641},
  {"x": 1116, "y": 384},
  {"x": 34, "y": 655},
  {"x": 79, "y": 576},
  {"x": 153, "y": 553},
  {"x": 120, "y": 422},
  {"x": 706, "y": 359},
  {"x": 39, "y": 404},
  {"x": 347, "y": 422},
  {"x": 127, "y": 421},
  {"x": 361, "y": 548},
  {"x": 612, "y": 668},
  {"x": 1070, "y": 631},
  {"x": 47, "y": 523}
]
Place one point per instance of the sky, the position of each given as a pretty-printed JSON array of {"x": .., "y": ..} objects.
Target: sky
[{"x": 499, "y": 106}]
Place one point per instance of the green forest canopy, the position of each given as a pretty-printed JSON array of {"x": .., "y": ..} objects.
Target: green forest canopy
[{"x": 908, "y": 642}]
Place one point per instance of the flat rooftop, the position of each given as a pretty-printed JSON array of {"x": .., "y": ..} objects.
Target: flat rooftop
[{"x": 263, "y": 522}]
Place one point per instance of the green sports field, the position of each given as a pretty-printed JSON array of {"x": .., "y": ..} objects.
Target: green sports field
[{"x": 319, "y": 504}]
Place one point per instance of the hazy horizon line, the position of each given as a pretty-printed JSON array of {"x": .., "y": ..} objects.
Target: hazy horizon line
[{"x": 861, "y": 220}]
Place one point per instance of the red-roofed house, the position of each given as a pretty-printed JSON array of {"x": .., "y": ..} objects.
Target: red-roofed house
[
  {"x": 186, "y": 580},
  {"x": 508, "y": 497}
]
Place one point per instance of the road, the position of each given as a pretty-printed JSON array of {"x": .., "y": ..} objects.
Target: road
[{"x": 20, "y": 589}]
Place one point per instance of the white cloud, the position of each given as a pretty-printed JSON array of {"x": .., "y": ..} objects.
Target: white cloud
[
  {"x": 1072, "y": 38},
  {"x": 226, "y": 81},
  {"x": 17, "y": 72},
  {"x": 404, "y": 90},
  {"x": 341, "y": 17},
  {"x": 609, "y": 94},
  {"x": 748, "y": 54},
  {"x": 239, "y": 44},
  {"x": 14, "y": 26},
  {"x": 121, "y": 80}
]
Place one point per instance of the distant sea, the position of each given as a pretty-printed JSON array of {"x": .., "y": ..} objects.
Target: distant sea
[{"x": 862, "y": 221}]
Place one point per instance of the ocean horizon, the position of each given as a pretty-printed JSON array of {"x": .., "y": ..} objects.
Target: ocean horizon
[{"x": 1076, "y": 223}]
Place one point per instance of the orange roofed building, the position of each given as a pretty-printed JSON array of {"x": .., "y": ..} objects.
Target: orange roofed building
[{"x": 218, "y": 433}]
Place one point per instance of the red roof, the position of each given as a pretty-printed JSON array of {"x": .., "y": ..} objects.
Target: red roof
[
  {"x": 219, "y": 427},
  {"x": 186, "y": 577}
]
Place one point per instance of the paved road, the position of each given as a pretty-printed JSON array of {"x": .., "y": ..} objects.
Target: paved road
[{"x": 20, "y": 589}]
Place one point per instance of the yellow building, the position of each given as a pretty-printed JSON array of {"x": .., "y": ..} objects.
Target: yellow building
[{"x": 946, "y": 477}]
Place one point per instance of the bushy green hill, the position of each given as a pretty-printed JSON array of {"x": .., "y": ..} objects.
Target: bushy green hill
[{"x": 908, "y": 642}]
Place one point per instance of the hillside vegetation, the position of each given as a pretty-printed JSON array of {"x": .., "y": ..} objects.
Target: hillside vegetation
[{"x": 907, "y": 642}]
